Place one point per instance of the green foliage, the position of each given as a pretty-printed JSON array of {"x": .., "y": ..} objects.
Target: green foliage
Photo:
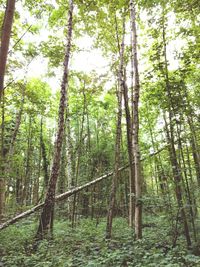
[
  {"x": 86, "y": 246},
  {"x": 92, "y": 108}
]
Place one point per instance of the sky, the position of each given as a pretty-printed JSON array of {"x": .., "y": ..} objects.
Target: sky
[{"x": 86, "y": 60}]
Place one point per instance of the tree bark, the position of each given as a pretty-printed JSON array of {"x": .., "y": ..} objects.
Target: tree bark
[
  {"x": 130, "y": 154},
  {"x": 136, "y": 148},
  {"x": 46, "y": 215},
  {"x": 44, "y": 159},
  {"x": 118, "y": 138},
  {"x": 2, "y": 161},
  {"x": 5, "y": 40}
]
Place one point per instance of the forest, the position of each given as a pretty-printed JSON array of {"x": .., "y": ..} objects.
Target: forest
[{"x": 99, "y": 133}]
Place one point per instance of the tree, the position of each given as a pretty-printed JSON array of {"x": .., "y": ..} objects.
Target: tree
[
  {"x": 118, "y": 138},
  {"x": 5, "y": 40},
  {"x": 46, "y": 218},
  {"x": 136, "y": 148}
]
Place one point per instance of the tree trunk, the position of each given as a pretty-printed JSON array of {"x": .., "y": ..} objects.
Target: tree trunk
[
  {"x": 69, "y": 156},
  {"x": 44, "y": 160},
  {"x": 26, "y": 188},
  {"x": 5, "y": 40},
  {"x": 186, "y": 183},
  {"x": 130, "y": 154},
  {"x": 17, "y": 124},
  {"x": 170, "y": 138},
  {"x": 136, "y": 148},
  {"x": 177, "y": 179},
  {"x": 118, "y": 139},
  {"x": 2, "y": 161},
  {"x": 46, "y": 215},
  {"x": 79, "y": 152},
  {"x": 63, "y": 197},
  {"x": 195, "y": 149},
  {"x": 38, "y": 173},
  {"x": 9, "y": 157}
]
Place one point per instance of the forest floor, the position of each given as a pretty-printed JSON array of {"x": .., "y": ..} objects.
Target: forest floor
[{"x": 86, "y": 246}]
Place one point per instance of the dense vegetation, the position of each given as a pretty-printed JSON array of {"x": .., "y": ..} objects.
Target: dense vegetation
[
  {"x": 86, "y": 246},
  {"x": 93, "y": 87}
]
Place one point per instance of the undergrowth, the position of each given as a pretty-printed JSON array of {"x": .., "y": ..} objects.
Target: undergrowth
[{"x": 86, "y": 246}]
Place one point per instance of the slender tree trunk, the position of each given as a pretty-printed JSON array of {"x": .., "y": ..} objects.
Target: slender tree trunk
[
  {"x": 195, "y": 149},
  {"x": 110, "y": 213},
  {"x": 192, "y": 184},
  {"x": 18, "y": 189},
  {"x": 136, "y": 148},
  {"x": 5, "y": 40},
  {"x": 158, "y": 163},
  {"x": 69, "y": 156},
  {"x": 2, "y": 161},
  {"x": 2, "y": 197},
  {"x": 27, "y": 167},
  {"x": 46, "y": 215},
  {"x": 79, "y": 152},
  {"x": 44, "y": 160},
  {"x": 170, "y": 137},
  {"x": 188, "y": 109},
  {"x": 17, "y": 125},
  {"x": 62, "y": 174},
  {"x": 130, "y": 153},
  {"x": 118, "y": 140},
  {"x": 85, "y": 195},
  {"x": 177, "y": 179},
  {"x": 9, "y": 156},
  {"x": 38, "y": 173},
  {"x": 45, "y": 163},
  {"x": 69, "y": 148},
  {"x": 187, "y": 187}
]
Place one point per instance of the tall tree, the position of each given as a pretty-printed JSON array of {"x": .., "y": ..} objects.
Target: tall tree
[
  {"x": 117, "y": 141},
  {"x": 136, "y": 148},
  {"x": 130, "y": 154},
  {"x": 5, "y": 40},
  {"x": 170, "y": 137},
  {"x": 46, "y": 218}
]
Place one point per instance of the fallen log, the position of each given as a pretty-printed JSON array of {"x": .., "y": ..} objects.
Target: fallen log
[
  {"x": 67, "y": 194},
  {"x": 57, "y": 199}
]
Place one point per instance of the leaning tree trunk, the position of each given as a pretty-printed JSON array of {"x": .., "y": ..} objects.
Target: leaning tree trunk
[
  {"x": 136, "y": 149},
  {"x": 5, "y": 40},
  {"x": 68, "y": 194},
  {"x": 60, "y": 197},
  {"x": 46, "y": 217}
]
